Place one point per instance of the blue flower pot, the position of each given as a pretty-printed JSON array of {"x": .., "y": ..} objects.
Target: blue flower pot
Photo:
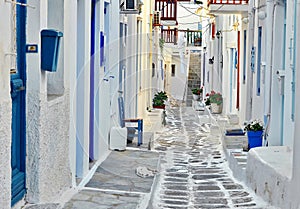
[{"x": 254, "y": 138}]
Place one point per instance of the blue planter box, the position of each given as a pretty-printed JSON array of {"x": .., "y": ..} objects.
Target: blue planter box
[{"x": 254, "y": 138}]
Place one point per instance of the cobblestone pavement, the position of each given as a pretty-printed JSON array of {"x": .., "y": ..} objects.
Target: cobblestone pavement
[{"x": 194, "y": 172}]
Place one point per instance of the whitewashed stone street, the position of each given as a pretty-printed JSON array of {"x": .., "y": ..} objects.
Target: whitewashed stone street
[{"x": 194, "y": 172}]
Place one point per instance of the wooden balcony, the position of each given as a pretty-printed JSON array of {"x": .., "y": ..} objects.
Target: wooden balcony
[
  {"x": 228, "y": 6},
  {"x": 168, "y": 11},
  {"x": 169, "y": 35},
  {"x": 193, "y": 37}
]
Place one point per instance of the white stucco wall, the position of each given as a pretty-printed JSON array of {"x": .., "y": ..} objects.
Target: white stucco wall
[
  {"x": 70, "y": 76},
  {"x": 102, "y": 126},
  {"x": 178, "y": 82},
  {"x": 269, "y": 172},
  {"x": 112, "y": 58},
  {"x": 277, "y": 108},
  {"x": 5, "y": 107},
  {"x": 258, "y": 100},
  {"x": 130, "y": 72},
  {"x": 145, "y": 92},
  {"x": 288, "y": 123},
  {"x": 48, "y": 168},
  {"x": 296, "y": 143},
  {"x": 243, "y": 84},
  {"x": 185, "y": 17}
]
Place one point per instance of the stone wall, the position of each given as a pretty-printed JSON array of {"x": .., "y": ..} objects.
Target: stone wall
[{"x": 5, "y": 153}]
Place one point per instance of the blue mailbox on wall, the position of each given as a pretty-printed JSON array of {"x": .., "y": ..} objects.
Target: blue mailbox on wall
[{"x": 49, "y": 49}]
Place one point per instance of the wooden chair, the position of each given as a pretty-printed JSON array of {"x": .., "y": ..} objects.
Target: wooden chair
[{"x": 132, "y": 129}]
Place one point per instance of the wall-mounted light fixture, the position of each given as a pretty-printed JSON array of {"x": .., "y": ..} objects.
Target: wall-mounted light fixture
[
  {"x": 211, "y": 60},
  {"x": 262, "y": 15},
  {"x": 219, "y": 34},
  {"x": 245, "y": 20}
]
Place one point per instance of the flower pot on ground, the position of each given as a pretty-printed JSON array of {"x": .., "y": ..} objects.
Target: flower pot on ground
[
  {"x": 215, "y": 108},
  {"x": 254, "y": 139},
  {"x": 196, "y": 97},
  {"x": 159, "y": 106},
  {"x": 159, "y": 100},
  {"x": 216, "y": 101},
  {"x": 254, "y": 130},
  {"x": 197, "y": 93}
]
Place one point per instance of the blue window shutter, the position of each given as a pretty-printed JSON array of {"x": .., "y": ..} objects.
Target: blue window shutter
[
  {"x": 258, "y": 61},
  {"x": 101, "y": 48},
  {"x": 253, "y": 59}
]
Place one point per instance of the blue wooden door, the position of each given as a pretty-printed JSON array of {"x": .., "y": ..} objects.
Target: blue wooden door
[{"x": 18, "y": 77}]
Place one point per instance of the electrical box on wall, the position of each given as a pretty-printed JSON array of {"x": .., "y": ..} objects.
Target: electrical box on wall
[{"x": 50, "y": 40}]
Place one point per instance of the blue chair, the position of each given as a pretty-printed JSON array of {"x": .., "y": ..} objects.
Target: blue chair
[{"x": 131, "y": 130}]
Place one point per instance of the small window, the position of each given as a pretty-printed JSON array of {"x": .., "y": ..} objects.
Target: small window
[
  {"x": 153, "y": 69},
  {"x": 245, "y": 54},
  {"x": 173, "y": 67}
]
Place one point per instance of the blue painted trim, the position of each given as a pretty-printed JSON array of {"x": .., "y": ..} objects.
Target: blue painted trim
[
  {"x": 92, "y": 80},
  {"x": 258, "y": 61},
  {"x": 253, "y": 59},
  {"x": 106, "y": 32},
  {"x": 101, "y": 48},
  {"x": 231, "y": 74},
  {"x": 121, "y": 56}
]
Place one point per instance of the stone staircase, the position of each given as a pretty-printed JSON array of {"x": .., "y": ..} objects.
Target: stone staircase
[{"x": 194, "y": 77}]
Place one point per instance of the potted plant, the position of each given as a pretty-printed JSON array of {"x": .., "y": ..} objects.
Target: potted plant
[
  {"x": 206, "y": 99},
  {"x": 159, "y": 100},
  {"x": 254, "y": 130},
  {"x": 197, "y": 92},
  {"x": 215, "y": 99}
]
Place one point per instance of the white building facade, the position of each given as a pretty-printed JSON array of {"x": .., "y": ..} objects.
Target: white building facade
[
  {"x": 54, "y": 123},
  {"x": 262, "y": 83}
]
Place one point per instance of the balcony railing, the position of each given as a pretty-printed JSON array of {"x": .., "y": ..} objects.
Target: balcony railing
[
  {"x": 193, "y": 37},
  {"x": 228, "y": 2},
  {"x": 168, "y": 9},
  {"x": 169, "y": 35}
]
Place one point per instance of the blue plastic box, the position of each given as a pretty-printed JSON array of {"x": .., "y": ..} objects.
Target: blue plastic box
[{"x": 50, "y": 40}]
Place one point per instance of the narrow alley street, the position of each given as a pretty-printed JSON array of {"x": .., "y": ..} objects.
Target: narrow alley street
[{"x": 194, "y": 172}]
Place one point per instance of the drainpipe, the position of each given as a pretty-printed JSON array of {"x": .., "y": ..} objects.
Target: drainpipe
[{"x": 269, "y": 65}]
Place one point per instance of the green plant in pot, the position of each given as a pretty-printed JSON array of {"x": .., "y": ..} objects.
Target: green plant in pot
[
  {"x": 197, "y": 91},
  {"x": 159, "y": 100},
  {"x": 215, "y": 101},
  {"x": 215, "y": 98}
]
